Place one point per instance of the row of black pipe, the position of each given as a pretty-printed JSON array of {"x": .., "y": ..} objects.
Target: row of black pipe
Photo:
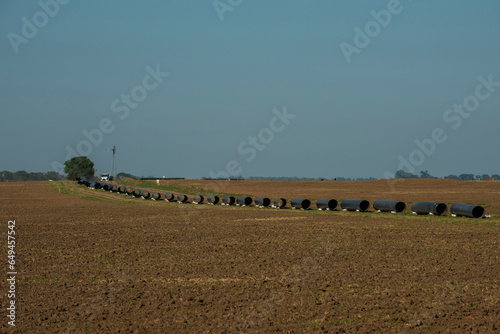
[{"x": 419, "y": 208}]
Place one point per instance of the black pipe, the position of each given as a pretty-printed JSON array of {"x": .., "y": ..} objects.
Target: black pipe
[
  {"x": 326, "y": 204},
  {"x": 355, "y": 205},
  {"x": 262, "y": 201},
  {"x": 467, "y": 210},
  {"x": 122, "y": 189},
  {"x": 228, "y": 200},
  {"x": 111, "y": 187},
  {"x": 279, "y": 203},
  {"x": 146, "y": 194},
  {"x": 156, "y": 196},
  {"x": 299, "y": 203},
  {"x": 199, "y": 199},
  {"x": 182, "y": 198},
  {"x": 94, "y": 184},
  {"x": 425, "y": 208},
  {"x": 212, "y": 199},
  {"x": 106, "y": 186},
  {"x": 244, "y": 200},
  {"x": 130, "y": 191},
  {"x": 137, "y": 192},
  {"x": 389, "y": 206},
  {"x": 169, "y": 197}
]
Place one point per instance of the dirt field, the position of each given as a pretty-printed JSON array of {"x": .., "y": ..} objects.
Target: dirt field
[
  {"x": 486, "y": 194},
  {"x": 91, "y": 261}
]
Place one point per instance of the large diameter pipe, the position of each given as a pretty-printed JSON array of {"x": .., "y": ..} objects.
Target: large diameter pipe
[
  {"x": 130, "y": 191},
  {"x": 182, "y": 198},
  {"x": 355, "y": 205},
  {"x": 137, "y": 192},
  {"x": 299, "y": 203},
  {"x": 262, "y": 201},
  {"x": 199, "y": 199},
  {"x": 389, "y": 206},
  {"x": 169, "y": 197},
  {"x": 425, "y": 208},
  {"x": 228, "y": 200},
  {"x": 94, "y": 184},
  {"x": 146, "y": 194},
  {"x": 212, "y": 199},
  {"x": 122, "y": 189},
  {"x": 279, "y": 203},
  {"x": 244, "y": 200},
  {"x": 156, "y": 196},
  {"x": 326, "y": 204},
  {"x": 113, "y": 188},
  {"x": 467, "y": 210}
]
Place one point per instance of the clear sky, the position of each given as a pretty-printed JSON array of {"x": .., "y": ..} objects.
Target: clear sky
[{"x": 359, "y": 87}]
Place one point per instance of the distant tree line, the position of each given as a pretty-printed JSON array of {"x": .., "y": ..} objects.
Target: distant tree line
[
  {"x": 285, "y": 178},
  {"x": 401, "y": 174},
  {"x": 23, "y": 176},
  {"x": 296, "y": 178},
  {"x": 123, "y": 175}
]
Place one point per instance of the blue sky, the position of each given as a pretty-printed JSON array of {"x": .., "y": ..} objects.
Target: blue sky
[{"x": 353, "y": 119}]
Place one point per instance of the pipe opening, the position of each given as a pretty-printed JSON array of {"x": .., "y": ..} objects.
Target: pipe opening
[
  {"x": 299, "y": 203},
  {"x": 199, "y": 199},
  {"x": 324, "y": 204},
  {"x": 182, "y": 198},
  {"x": 364, "y": 205},
  {"x": 280, "y": 203},
  {"x": 478, "y": 211},
  {"x": 213, "y": 199},
  {"x": 262, "y": 201},
  {"x": 440, "y": 209},
  {"x": 229, "y": 200},
  {"x": 400, "y": 207}
]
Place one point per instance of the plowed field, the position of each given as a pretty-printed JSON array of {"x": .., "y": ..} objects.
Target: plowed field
[{"x": 90, "y": 261}]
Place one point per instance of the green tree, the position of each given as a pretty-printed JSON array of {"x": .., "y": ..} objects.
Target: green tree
[
  {"x": 79, "y": 167},
  {"x": 401, "y": 174},
  {"x": 425, "y": 175},
  {"x": 122, "y": 175}
]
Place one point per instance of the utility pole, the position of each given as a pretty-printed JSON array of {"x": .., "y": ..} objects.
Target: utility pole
[{"x": 112, "y": 161}]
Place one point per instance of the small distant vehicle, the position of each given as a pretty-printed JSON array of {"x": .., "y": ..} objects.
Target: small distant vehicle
[{"x": 106, "y": 177}]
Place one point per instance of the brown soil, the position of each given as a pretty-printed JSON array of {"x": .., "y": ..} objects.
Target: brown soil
[
  {"x": 486, "y": 194},
  {"x": 118, "y": 264}
]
